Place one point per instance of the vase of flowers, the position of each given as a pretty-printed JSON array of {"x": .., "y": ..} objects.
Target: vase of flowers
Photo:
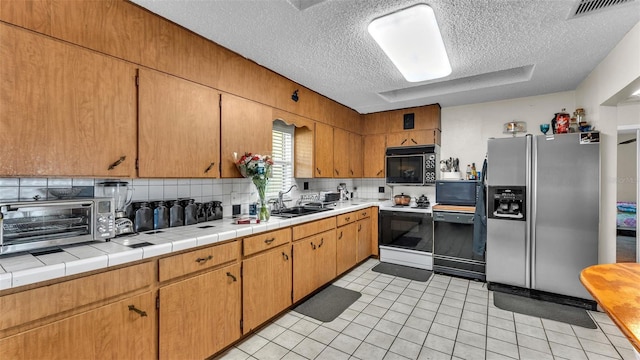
[{"x": 258, "y": 168}]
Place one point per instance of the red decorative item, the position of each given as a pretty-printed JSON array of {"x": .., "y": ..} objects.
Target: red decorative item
[{"x": 563, "y": 120}]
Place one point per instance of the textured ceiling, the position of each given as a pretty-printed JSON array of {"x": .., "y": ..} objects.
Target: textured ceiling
[{"x": 499, "y": 49}]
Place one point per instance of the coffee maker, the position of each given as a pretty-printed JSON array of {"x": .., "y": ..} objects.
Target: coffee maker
[{"x": 121, "y": 192}]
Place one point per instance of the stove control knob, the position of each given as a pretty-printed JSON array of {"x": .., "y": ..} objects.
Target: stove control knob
[{"x": 102, "y": 229}]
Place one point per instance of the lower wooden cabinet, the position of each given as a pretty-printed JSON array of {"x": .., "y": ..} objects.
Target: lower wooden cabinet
[
  {"x": 122, "y": 330},
  {"x": 364, "y": 239},
  {"x": 346, "y": 247},
  {"x": 266, "y": 286},
  {"x": 201, "y": 315},
  {"x": 314, "y": 263}
]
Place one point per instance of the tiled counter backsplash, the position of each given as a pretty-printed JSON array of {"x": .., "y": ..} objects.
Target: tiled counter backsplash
[{"x": 201, "y": 190}]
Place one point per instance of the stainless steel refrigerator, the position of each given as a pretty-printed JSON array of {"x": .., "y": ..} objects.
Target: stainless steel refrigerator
[{"x": 543, "y": 211}]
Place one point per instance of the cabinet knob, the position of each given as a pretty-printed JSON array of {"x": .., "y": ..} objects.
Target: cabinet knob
[
  {"x": 318, "y": 170},
  {"x": 379, "y": 172},
  {"x": 403, "y": 141},
  {"x": 285, "y": 256},
  {"x": 209, "y": 167},
  {"x": 351, "y": 172},
  {"x": 337, "y": 172},
  {"x": 313, "y": 246},
  {"x": 231, "y": 276},
  {"x": 359, "y": 227},
  {"x": 413, "y": 141},
  {"x": 118, "y": 162},
  {"x": 321, "y": 242},
  {"x": 340, "y": 236},
  {"x": 138, "y": 311},
  {"x": 269, "y": 241},
  {"x": 205, "y": 259},
  {"x": 347, "y": 218}
]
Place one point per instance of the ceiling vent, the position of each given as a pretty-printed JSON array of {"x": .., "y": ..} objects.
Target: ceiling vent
[{"x": 586, "y": 7}]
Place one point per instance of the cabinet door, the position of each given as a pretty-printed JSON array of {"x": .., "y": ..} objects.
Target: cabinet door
[
  {"x": 179, "y": 127},
  {"x": 323, "y": 151},
  {"x": 266, "y": 284},
  {"x": 325, "y": 261},
  {"x": 398, "y": 139},
  {"x": 356, "y": 166},
  {"x": 304, "y": 258},
  {"x": 364, "y": 239},
  {"x": 423, "y": 137},
  {"x": 201, "y": 315},
  {"x": 110, "y": 332},
  {"x": 346, "y": 247},
  {"x": 64, "y": 110},
  {"x": 246, "y": 126},
  {"x": 373, "y": 157},
  {"x": 340, "y": 153}
]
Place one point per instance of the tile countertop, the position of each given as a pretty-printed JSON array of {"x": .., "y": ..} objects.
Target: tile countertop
[{"x": 21, "y": 269}]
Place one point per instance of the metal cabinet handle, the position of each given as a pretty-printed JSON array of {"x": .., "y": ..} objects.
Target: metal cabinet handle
[
  {"x": 202, "y": 260},
  {"x": 359, "y": 227},
  {"x": 340, "y": 237},
  {"x": 347, "y": 218},
  {"x": 351, "y": 172},
  {"x": 269, "y": 241},
  {"x": 321, "y": 242},
  {"x": 118, "y": 162},
  {"x": 138, "y": 311},
  {"x": 318, "y": 170},
  {"x": 313, "y": 246},
  {"x": 413, "y": 141},
  {"x": 364, "y": 213},
  {"x": 209, "y": 167},
  {"x": 379, "y": 172},
  {"x": 403, "y": 141},
  {"x": 231, "y": 276},
  {"x": 286, "y": 257}
]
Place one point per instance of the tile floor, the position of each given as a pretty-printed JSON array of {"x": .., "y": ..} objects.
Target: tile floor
[{"x": 443, "y": 318}]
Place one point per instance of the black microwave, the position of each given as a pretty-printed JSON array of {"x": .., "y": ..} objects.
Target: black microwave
[
  {"x": 457, "y": 192},
  {"x": 412, "y": 165}
]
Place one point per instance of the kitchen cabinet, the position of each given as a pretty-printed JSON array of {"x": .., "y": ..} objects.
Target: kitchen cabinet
[
  {"x": 424, "y": 117},
  {"x": 323, "y": 151},
  {"x": 122, "y": 330},
  {"x": 245, "y": 127},
  {"x": 314, "y": 263},
  {"x": 64, "y": 110},
  {"x": 201, "y": 315},
  {"x": 364, "y": 235},
  {"x": 341, "y": 147},
  {"x": 267, "y": 286},
  {"x": 374, "y": 156},
  {"x": 413, "y": 138},
  {"x": 178, "y": 127},
  {"x": 356, "y": 155},
  {"x": 346, "y": 242}
]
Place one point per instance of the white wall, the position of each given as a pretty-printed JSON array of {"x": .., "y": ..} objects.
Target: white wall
[
  {"x": 465, "y": 129},
  {"x": 620, "y": 68}
]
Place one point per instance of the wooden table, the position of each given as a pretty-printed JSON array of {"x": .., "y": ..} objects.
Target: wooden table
[{"x": 616, "y": 287}]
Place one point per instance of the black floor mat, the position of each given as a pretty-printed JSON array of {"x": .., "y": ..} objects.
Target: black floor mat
[
  {"x": 403, "y": 271},
  {"x": 543, "y": 309},
  {"x": 330, "y": 302}
]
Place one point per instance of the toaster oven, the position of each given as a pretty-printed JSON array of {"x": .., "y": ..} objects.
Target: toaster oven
[{"x": 29, "y": 225}]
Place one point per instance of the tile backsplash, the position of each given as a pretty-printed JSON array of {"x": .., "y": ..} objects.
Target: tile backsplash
[{"x": 202, "y": 190}]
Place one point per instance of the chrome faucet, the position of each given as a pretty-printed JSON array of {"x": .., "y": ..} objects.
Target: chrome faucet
[{"x": 279, "y": 205}]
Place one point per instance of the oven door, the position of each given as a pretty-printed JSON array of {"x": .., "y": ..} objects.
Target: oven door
[
  {"x": 406, "y": 230},
  {"x": 453, "y": 245},
  {"x": 405, "y": 169}
]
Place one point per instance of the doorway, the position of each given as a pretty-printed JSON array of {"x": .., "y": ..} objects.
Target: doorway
[{"x": 627, "y": 193}]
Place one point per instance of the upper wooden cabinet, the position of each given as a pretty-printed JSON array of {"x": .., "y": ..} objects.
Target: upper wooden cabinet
[
  {"x": 64, "y": 110},
  {"x": 178, "y": 127},
  {"x": 323, "y": 151},
  {"x": 374, "y": 151},
  {"x": 356, "y": 155},
  {"x": 413, "y": 138},
  {"x": 341, "y": 153},
  {"x": 424, "y": 117},
  {"x": 245, "y": 127}
]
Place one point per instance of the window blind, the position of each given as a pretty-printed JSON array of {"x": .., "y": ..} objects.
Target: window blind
[{"x": 282, "y": 153}]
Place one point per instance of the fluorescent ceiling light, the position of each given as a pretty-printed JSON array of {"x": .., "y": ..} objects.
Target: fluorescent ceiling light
[
  {"x": 637, "y": 93},
  {"x": 411, "y": 39}
]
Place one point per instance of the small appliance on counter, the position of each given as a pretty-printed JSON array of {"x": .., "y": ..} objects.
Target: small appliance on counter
[
  {"x": 121, "y": 192},
  {"x": 36, "y": 224}
]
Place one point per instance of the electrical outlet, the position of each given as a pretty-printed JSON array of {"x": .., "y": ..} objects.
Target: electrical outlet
[
  {"x": 305, "y": 185},
  {"x": 234, "y": 198},
  {"x": 381, "y": 189}
]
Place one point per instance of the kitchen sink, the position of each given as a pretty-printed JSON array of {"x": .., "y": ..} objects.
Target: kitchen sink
[{"x": 298, "y": 211}]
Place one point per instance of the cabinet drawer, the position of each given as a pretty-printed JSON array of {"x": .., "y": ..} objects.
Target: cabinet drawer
[
  {"x": 269, "y": 240},
  {"x": 347, "y": 218},
  {"x": 312, "y": 228},
  {"x": 31, "y": 305},
  {"x": 183, "y": 264},
  {"x": 364, "y": 213}
]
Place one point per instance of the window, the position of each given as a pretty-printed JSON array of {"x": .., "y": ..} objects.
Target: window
[{"x": 282, "y": 153}]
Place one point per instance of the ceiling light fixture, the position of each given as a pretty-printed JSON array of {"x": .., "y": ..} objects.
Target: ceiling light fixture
[
  {"x": 412, "y": 40},
  {"x": 636, "y": 93}
]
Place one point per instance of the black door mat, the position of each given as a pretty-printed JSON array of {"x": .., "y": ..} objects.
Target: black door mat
[
  {"x": 543, "y": 309},
  {"x": 330, "y": 302},
  {"x": 403, "y": 271}
]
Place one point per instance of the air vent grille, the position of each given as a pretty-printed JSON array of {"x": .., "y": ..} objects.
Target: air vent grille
[{"x": 585, "y": 7}]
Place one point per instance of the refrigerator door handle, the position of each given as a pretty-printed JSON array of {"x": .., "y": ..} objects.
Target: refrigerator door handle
[{"x": 531, "y": 192}]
